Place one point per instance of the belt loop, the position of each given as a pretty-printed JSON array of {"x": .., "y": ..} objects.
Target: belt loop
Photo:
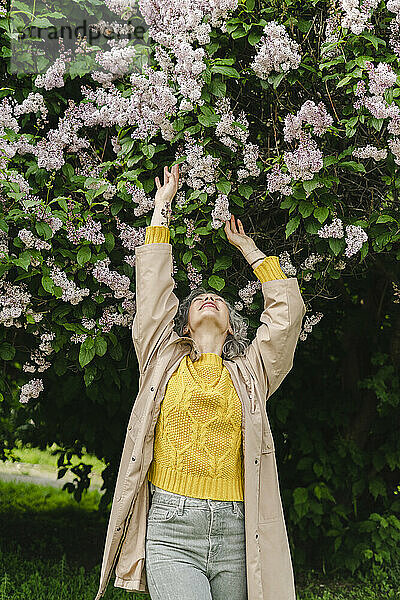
[
  {"x": 235, "y": 508},
  {"x": 181, "y": 505}
]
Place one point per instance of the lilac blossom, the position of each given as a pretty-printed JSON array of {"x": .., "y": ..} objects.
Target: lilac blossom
[
  {"x": 305, "y": 161},
  {"x": 33, "y": 103},
  {"x": 220, "y": 213},
  {"x": 54, "y": 76},
  {"x": 334, "y": 230},
  {"x": 30, "y": 390},
  {"x": 32, "y": 241},
  {"x": 355, "y": 237},
  {"x": 194, "y": 276},
  {"x": 144, "y": 202},
  {"x": 311, "y": 114},
  {"x": 370, "y": 152},
  {"x": 199, "y": 169},
  {"x": 70, "y": 291},
  {"x": 91, "y": 232},
  {"x": 116, "y": 62},
  {"x": 357, "y": 13},
  {"x": 309, "y": 322},
  {"x": 117, "y": 282},
  {"x": 14, "y": 300},
  {"x": 275, "y": 51},
  {"x": 286, "y": 264},
  {"x": 278, "y": 181},
  {"x": 247, "y": 293}
]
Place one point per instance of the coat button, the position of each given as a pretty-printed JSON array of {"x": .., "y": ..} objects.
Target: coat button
[
  {"x": 118, "y": 528},
  {"x": 256, "y": 461},
  {"x": 256, "y": 536},
  {"x": 268, "y": 446},
  {"x": 119, "y": 498},
  {"x": 130, "y": 427},
  {"x": 152, "y": 389},
  {"x": 133, "y": 458}
]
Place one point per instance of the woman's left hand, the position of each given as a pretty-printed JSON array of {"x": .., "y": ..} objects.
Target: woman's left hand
[{"x": 236, "y": 236}]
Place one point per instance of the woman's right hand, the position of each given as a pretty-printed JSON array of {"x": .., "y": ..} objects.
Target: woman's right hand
[{"x": 167, "y": 191}]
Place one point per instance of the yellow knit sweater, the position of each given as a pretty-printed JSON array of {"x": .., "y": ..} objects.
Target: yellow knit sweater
[{"x": 198, "y": 436}]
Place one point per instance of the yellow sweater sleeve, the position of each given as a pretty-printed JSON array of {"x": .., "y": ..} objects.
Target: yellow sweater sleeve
[
  {"x": 266, "y": 271},
  {"x": 269, "y": 269},
  {"x": 157, "y": 233}
]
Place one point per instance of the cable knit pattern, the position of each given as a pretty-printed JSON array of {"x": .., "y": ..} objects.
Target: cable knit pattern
[{"x": 198, "y": 435}]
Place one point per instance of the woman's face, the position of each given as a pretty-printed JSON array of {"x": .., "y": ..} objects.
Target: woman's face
[{"x": 212, "y": 307}]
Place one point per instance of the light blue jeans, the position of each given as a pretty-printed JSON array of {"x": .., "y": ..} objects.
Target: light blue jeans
[{"x": 195, "y": 548}]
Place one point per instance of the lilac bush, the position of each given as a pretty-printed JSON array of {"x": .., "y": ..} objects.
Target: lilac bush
[{"x": 286, "y": 114}]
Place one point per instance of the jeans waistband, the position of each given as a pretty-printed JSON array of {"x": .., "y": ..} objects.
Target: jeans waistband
[{"x": 167, "y": 497}]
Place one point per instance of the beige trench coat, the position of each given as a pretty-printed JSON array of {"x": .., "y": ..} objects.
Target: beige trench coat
[{"x": 255, "y": 376}]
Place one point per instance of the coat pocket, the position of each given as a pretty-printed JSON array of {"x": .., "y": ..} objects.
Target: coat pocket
[{"x": 269, "y": 496}]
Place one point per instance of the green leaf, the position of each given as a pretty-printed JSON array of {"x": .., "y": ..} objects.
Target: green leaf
[
  {"x": 23, "y": 260},
  {"x": 355, "y": 166},
  {"x": 227, "y": 71},
  {"x": 217, "y": 87},
  {"x": 385, "y": 219},
  {"x": 224, "y": 186},
  {"x": 47, "y": 283},
  {"x": 202, "y": 256},
  {"x": 208, "y": 120},
  {"x": 305, "y": 208},
  {"x": 245, "y": 190},
  {"x": 216, "y": 282},
  {"x": 187, "y": 257},
  {"x": 336, "y": 245},
  {"x": 84, "y": 255},
  {"x": 87, "y": 352},
  {"x": 100, "y": 345},
  {"x": 109, "y": 241},
  {"x": 7, "y": 351},
  {"x": 300, "y": 495},
  {"x": 90, "y": 374},
  {"x": 222, "y": 262},
  {"x": 310, "y": 185},
  {"x": 321, "y": 213},
  {"x": 292, "y": 225},
  {"x": 44, "y": 230}
]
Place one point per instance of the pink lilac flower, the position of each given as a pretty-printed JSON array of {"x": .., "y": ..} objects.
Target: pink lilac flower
[
  {"x": 355, "y": 237},
  {"x": 31, "y": 390},
  {"x": 194, "y": 276},
  {"x": 286, "y": 264},
  {"x": 305, "y": 161},
  {"x": 357, "y": 14},
  {"x": 309, "y": 322},
  {"x": 370, "y": 152},
  {"x": 278, "y": 181},
  {"x": 275, "y": 51},
  {"x": 32, "y": 241},
  {"x": 14, "y": 300},
  {"x": 144, "y": 202},
  {"x": 247, "y": 293},
  {"x": 220, "y": 213},
  {"x": 334, "y": 230},
  {"x": 71, "y": 292}
]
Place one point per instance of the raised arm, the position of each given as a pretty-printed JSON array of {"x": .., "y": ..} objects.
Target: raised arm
[
  {"x": 156, "y": 303},
  {"x": 271, "y": 352}
]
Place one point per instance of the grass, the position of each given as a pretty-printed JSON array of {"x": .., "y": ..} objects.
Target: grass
[
  {"x": 35, "y": 456},
  {"x": 51, "y": 549}
]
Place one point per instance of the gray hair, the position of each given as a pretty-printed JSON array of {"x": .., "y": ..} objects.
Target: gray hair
[{"x": 235, "y": 344}]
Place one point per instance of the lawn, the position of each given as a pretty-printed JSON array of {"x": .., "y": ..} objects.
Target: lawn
[{"x": 51, "y": 549}]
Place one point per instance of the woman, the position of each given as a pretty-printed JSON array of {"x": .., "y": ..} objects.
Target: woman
[
  {"x": 198, "y": 438},
  {"x": 199, "y": 553}
]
